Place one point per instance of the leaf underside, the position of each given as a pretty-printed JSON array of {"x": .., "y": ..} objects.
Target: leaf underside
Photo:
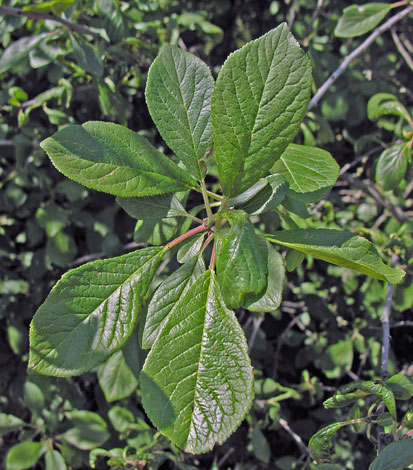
[
  {"x": 90, "y": 313},
  {"x": 197, "y": 379},
  {"x": 259, "y": 100}
]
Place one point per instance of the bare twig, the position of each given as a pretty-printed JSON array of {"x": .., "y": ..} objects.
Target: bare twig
[
  {"x": 401, "y": 49},
  {"x": 386, "y": 327},
  {"x": 256, "y": 326},
  {"x": 291, "y": 15},
  {"x": 43, "y": 16},
  {"x": 370, "y": 190},
  {"x": 315, "y": 15},
  {"x": 295, "y": 436},
  {"x": 362, "y": 47}
]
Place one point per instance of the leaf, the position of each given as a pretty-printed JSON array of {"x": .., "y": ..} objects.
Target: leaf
[
  {"x": 178, "y": 94},
  {"x": 401, "y": 386},
  {"x": 86, "y": 57},
  {"x": 320, "y": 443},
  {"x": 33, "y": 397},
  {"x": 89, "y": 431},
  {"x": 90, "y": 313},
  {"x": 260, "y": 446},
  {"x": 197, "y": 381},
  {"x": 190, "y": 249},
  {"x": 152, "y": 207},
  {"x": 155, "y": 232},
  {"x": 359, "y": 19},
  {"x": 241, "y": 260},
  {"x": 259, "y": 100},
  {"x": 341, "y": 248},
  {"x": 395, "y": 456},
  {"x": 53, "y": 6},
  {"x": 18, "y": 50},
  {"x": 54, "y": 460},
  {"x": 116, "y": 379},
  {"x": 268, "y": 197},
  {"x": 272, "y": 296},
  {"x": 382, "y": 104},
  {"x": 111, "y": 158},
  {"x": 166, "y": 297},
  {"x": 392, "y": 165},
  {"x": 307, "y": 169},
  {"x": 121, "y": 418},
  {"x": 9, "y": 423},
  {"x": 24, "y": 455}
]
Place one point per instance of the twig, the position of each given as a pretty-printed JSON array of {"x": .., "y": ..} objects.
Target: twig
[
  {"x": 370, "y": 190},
  {"x": 363, "y": 46},
  {"x": 295, "y": 436},
  {"x": 291, "y": 15},
  {"x": 44, "y": 16},
  {"x": 316, "y": 12},
  {"x": 401, "y": 49},
  {"x": 256, "y": 326},
  {"x": 386, "y": 327},
  {"x": 225, "y": 457}
]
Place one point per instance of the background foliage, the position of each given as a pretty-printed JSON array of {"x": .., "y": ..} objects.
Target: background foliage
[{"x": 327, "y": 331}]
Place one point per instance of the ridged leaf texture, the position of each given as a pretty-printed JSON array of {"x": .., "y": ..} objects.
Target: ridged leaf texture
[
  {"x": 197, "y": 381},
  {"x": 341, "y": 248},
  {"x": 241, "y": 260},
  {"x": 259, "y": 100},
  {"x": 113, "y": 159},
  {"x": 178, "y": 95},
  {"x": 166, "y": 298},
  {"x": 90, "y": 313}
]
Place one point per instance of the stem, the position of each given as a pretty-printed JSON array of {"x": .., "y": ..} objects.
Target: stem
[
  {"x": 207, "y": 242},
  {"x": 206, "y": 200},
  {"x": 186, "y": 235},
  {"x": 215, "y": 196},
  {"x": 399, "y": 4},
  {"x": 403, "y": 52},
  {"x": 386, "y": 327},
  {"x": 43, "y": 16},
  {"x": 364, "y": 45},
  {"x": 212, "y": 262}
]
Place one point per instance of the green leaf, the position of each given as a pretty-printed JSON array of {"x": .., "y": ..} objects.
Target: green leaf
[
  {"x": 116, "y": 379},
  {"x": 395, "y": 456},
  {"x": 197, "y": 381},
  {"x": 320, "y": 443},
  {"x": 392, "y": 165},
  {"x": 111, "y": 158},
  {"x": 86, "y": 57},
  {"x": 155, "y": 232},
  {"x": 272, "y": 296},
  {"x": 33, "y": 397},
  {"x": 341, "y": 248},
  {"x": 18, "y": 50},
  {"x": 266, "y": 198},
  {"x": 121, "y": 418},
  {"x": 166, "y": 298},
  {"x": 54, "y": 460},
  {"x": 382, "y": 104},
  {"x": 152, "y": 207},
  {"x": 55, "y": 7},
  {"x": 190, "y": 248},
  {"x": 90, "y": 313},
  {"x": 178, "y": 94},
  {"x": 241, "y": 260},
  {"x": 9, "y": 423},
  {"x": 260, "y": 445},
  {"x": 307, "y": 169},
  {"x": 89, "y": 431},
  {"x": 359, "y": 19},
  {"x": 401, "y": 386},
  {"x": 259, "y": 100},
  {"x": 24, "y": 455}
]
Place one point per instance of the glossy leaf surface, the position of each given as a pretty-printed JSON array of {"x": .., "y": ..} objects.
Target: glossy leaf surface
[
  {"x": 167, "y": 296},
  {"x": 395, "y": 456},
  {"x": 360, "y": 19},
  {"x": 113, "y": 159},
  {"x": 9, "y": 423},
  {"x": 90, "y": 313},
  {"x": 54, "y": 460},
  {"x": 152, "y": 207},
  {"x": 197, "y": 381},
  {"x": 392, "y": 165},
  {"x": 259, "y": 100},
  {"x": 382, "y": 104},
  {"x": 24, "y": 455},
  {"x": 178, "y": 94},
  {"x": 341, "y": 248},
  {"x": 307, "y": 169},
  {"x": 241, "y": 260}
]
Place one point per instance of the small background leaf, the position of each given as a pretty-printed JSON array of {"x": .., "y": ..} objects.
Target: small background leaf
[{"x": 360, "y": 19}]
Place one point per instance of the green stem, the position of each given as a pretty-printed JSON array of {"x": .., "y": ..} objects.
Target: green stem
[
  {"x": 215, "y": 196},
  {"x": 183, "y": 237},
  {"x": 212, "y": 262},
  {"x": 206, "y": 200}
]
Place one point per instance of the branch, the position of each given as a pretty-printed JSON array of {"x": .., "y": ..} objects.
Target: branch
[
  {"x": 386, "y": 327},
  {"x": 43, "y": 16},
  {"x": 364, "y": 45},
  {"x": 401, "y": 49}
]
